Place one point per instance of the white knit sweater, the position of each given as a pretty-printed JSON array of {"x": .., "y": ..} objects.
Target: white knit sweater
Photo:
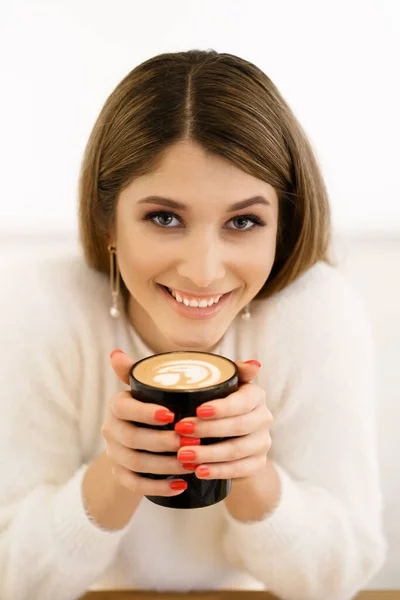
[{"x": 324, "y": 540}]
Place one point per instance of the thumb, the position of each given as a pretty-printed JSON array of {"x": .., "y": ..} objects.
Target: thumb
[
  {"x": 122, "y": 364},
  {"x": 247, "y": 370}
]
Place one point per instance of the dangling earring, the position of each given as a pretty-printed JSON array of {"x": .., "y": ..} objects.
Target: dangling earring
[
  {"x": 114, "y": 281},
  {"x": 246, "y": 314}
]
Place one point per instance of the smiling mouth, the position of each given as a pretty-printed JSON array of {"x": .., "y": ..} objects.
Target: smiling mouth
[
  {"x": 192, "y": 301},
  {"x": 193, "y": 309}
]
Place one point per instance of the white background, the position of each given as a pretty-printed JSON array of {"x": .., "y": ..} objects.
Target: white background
[{"x": 335, "y": 62}]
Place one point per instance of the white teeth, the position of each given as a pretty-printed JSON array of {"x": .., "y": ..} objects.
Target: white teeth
[{"x": 194, "y": 303}]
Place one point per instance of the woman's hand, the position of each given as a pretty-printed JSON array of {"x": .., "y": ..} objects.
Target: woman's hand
[
  {"x": 124, "y": 440},
  {"x": 242, "y": 416}
]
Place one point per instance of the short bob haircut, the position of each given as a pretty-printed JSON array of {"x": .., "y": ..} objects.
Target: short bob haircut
[{"x": 232, "y": 110}]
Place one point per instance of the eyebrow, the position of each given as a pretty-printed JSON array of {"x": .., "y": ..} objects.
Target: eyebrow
[{"x": 179, "y": 206}]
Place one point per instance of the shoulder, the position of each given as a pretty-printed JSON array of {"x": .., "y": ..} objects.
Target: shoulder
[
  {"x": 55, "y": 326},
  {"x": 313, "y": 337},
  {"x": 320, "y": 305},
  {"x": 50, "y": 292}
]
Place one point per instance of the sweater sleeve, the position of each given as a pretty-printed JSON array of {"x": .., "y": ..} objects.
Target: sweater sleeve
[
  {"x": 49, "y": 548},
  {"x": 324, "y": 539}
]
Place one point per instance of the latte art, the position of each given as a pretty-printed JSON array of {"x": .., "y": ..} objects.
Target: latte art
[
  {"x": 183, "y": 374},
  {"x": 184, "y": 370}
]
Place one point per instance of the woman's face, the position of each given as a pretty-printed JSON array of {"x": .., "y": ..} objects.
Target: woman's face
[{"x": 197, "y": 244}]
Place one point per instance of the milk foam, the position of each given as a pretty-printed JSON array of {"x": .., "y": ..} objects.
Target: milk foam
[{"x": 183, "y": 374}]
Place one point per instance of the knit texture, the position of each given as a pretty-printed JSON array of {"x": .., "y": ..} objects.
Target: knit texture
[{"x": 324, "y": 539}]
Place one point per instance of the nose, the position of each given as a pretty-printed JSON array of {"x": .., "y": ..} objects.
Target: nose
[{"x": 202, "y": 261}]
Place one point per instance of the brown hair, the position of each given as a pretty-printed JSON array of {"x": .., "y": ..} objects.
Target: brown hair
[{"x": 231, "y": 109}]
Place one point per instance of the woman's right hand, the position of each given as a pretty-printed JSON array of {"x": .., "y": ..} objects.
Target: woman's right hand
[{"x": 124, "y": 440}]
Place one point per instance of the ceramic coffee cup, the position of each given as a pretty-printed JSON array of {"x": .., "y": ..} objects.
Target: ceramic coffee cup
[{"x": 181, "y": 381}]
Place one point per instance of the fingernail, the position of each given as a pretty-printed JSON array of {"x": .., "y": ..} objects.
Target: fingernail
[
  {"x": 188, "y": 441},
  {"x": 187, "y": 456},
  {"x": 190, "y": 466},
  {"x": 178, "y": 484},
  {"x": 115, "y": 352},
  {"x": 253, "y": 362},
  {"x": 205, "y": 411},
  {"x": 203, "y": 472},
  {"x": 164, "y": 415},
  {"x": 185, "y": 427}
]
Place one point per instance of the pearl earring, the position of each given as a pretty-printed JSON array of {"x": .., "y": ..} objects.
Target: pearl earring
[
  {"x": 246, "y": 314},
  {"x": 114, "y": 282}
]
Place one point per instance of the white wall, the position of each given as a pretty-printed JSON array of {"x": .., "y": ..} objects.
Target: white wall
[{"x": 335, "y": 62}]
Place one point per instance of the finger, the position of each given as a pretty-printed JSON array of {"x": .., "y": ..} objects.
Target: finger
[
  {"x": 245, "y": 399},
  {"x": 141, "y": 438},
  {"x": 247, "y": 370},
  {"x": 124, "y": 407},
  {"x": 144, "y": 462},
  {"x": 232, "y": 449},
  {"x": 143, "y": 485},
  {"x": 122, "y": 364},
  {"x": 232, "y": 470},
  {"x": 243, "y": 424}
]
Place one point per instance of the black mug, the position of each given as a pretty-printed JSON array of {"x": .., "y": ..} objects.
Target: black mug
[{"x": 181, "y": 381}]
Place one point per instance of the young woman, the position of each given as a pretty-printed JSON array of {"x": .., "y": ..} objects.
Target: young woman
[{"x": 201, "y": 202}]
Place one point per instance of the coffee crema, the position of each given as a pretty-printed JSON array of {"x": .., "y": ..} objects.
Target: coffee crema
[{"x": 183, "y": 370}]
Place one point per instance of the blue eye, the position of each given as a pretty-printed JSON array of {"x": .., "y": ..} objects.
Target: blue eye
[
  {"x": 165, "y": 220},
  {"x": 242, "y": 220}
]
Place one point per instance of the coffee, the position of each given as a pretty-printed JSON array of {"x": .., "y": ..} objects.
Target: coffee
[
  {"x": 182, "y": 381},
  {"x": 184, "y": 370}
]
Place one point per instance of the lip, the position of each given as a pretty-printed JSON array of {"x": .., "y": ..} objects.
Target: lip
[{"x": 191, "y": 312}]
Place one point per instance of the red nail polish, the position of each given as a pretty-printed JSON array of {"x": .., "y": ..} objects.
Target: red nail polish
[
  {"x": 190, "y": 466},
  {"x": 253, "y": 362},
  {"x": 178, "y": 484},
  {"x": 203, "y": 472},
  {"x": 186, "y": 456},
  {"x": 188, "y": 441},
  {"x": 185, "y": 427},
  {"x": 164, "y": 415},
  {"x": 115, "y": 352},
  {"x": 205, "y": 411}
]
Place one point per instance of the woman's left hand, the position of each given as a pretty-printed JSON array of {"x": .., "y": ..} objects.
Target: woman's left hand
[{"x": 242, "y": 416}]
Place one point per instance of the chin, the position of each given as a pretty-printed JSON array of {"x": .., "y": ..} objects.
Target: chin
[{"x": 199, "y": 344}]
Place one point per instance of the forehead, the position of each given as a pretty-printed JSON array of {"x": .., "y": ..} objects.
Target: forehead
[{"x": 192, "y": 177}]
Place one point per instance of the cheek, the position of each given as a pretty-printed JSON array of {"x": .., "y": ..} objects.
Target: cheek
[
  {"x": 140, "y": 261},
  {"x": 258, "y": 269},
  {"x": 257, "y": 262}
]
